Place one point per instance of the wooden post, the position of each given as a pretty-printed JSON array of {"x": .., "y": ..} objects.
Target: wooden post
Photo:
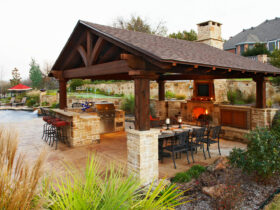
[
  {"x": 161, "y": 90},
  {"x": 142, "y": 103},
  {"x": 62, "y": 94},
  {"x": 260, "y": 92}
]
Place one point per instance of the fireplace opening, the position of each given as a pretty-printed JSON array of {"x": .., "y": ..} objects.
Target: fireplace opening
[{"x": 197, "y": 111}]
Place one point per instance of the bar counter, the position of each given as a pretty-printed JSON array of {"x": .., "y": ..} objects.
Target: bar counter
[{"x": 83, "y": 127}]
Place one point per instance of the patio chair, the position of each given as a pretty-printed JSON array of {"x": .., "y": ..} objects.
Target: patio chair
[
  {"x": 11, "y": 102},
  {"x": 23, "y": 101},
  {"x": 77, "y": 105},
  {"x": 179, "y": 144},
  {"x": 197, "y": 141},
  {"x": 213, "y": 138}
]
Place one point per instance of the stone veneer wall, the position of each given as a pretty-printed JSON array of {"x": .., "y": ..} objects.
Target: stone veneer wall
[
  {"x": 142, "y": 154},
  {"x": 179, "y": 87},
  {"x": 82, "y": 130}
]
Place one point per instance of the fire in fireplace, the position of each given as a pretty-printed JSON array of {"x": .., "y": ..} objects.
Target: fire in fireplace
[{"x": 197, "y": 111}]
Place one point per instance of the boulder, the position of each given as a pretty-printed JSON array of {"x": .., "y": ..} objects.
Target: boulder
[
  {"x": 220, "y": 164},
  {"x": 214, "y": 191}
]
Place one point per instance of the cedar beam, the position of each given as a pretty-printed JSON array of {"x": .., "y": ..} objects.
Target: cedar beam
[
  {"x": 161, "y": 90},
  {"x": 83, "y": 54},
  {"x": 96, "y": 50},
  {"x": 260, "y": 92},
  {"x": 62, "y": 94},
  {"x": 142, "y": 103},
  {"x": 114, "y": 67}
]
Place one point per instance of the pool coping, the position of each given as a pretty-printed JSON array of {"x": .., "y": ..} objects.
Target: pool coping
[{"x": 22, "y": 108}]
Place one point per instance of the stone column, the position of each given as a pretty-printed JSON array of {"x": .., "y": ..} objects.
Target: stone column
[{"x": 142, "y": 154}]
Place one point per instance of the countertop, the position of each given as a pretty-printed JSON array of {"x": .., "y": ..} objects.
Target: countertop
[{"x": 69, "y": 113}]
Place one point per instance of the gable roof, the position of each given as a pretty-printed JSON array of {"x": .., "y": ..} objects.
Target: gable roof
[
  {"x": 171, "y": 50},
  {"x": 267, "y": 31}
]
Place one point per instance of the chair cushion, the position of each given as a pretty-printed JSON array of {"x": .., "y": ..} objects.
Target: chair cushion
[{"x": 60, "y": 123}]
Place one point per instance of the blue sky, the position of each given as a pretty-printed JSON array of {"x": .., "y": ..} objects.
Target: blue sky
[{"x": 39, "y": 29}]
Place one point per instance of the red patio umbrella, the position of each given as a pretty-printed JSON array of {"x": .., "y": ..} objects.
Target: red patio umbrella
[{"x": 20, "y": 87}]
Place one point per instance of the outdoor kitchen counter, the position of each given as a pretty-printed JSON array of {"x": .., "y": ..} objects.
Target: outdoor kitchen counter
[{"x": 83, "y": 128}]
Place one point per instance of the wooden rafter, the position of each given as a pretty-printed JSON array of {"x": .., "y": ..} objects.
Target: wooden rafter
[
  {"x": 83, "y": 54},
  {"x": 96, "y": 50},
  {"x": 108, "y": 54},
  {"x": 114, "y": 67}
]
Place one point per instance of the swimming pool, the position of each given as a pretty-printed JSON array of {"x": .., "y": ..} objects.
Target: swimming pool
[{"x": 10, "y": 116}]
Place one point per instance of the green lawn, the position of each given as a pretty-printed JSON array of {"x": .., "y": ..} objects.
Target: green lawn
[{"x": 275, "y": 204}]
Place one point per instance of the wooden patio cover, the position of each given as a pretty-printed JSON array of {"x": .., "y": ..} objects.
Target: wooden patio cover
[{"x": 100, "y": 52}]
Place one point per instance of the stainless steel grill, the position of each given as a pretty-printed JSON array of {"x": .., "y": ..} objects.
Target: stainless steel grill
[{"x": 106, "y": 112}]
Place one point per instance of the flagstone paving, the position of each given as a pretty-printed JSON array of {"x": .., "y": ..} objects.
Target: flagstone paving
[{"x": 112, "y": 147}]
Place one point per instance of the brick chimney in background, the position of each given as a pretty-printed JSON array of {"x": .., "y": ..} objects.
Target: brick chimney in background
[{"x": 209, "y": 32}]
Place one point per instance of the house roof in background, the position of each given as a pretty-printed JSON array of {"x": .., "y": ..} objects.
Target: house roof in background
[{"x": 269, "y": 30}]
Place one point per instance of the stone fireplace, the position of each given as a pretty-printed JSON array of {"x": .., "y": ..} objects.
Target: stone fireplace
[{"x": 191, "y": 109}]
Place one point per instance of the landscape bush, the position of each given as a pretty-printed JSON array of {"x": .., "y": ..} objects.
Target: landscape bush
[
  {"x": 109, "y": 189},
  {"x": 193, "y": 172},
  {"x": 33, "y": 100},
  {"x": 128, "y": 104},
  {"x": 169, "y": 94},
  {"x": 262, "y": 157},
  {"x": 74, "y": 83},
  {"x": 54, "y": 105},
  {"x": 237, "y": 97},
  {"x": 45, "y": 103}
]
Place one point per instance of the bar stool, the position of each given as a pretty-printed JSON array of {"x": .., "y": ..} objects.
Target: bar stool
[
  {"x": 60, "y": 133},
  {"x": 46, "y": 118}
]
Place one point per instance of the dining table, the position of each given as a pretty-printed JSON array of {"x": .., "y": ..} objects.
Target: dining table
[{"x": 167, "y": 134}]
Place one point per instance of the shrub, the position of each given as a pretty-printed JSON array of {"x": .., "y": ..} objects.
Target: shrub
[
  {"x": 32, "y": 101},
  {"x": 262, "y": 157},
  {"x": 74, "y": 83},
  {"x": 128, "y": 104},
  {"x": 193, "y": 172},
  {"x": 109, "y": 189},
  {"x": 54, "y": 105},
  {"x": 45, "y": 103},
  {"x": 18, "y": 179},
  {"x": 258, "y": 49},
  {"x": 236, "y": 97},
  {"x": 169, "y": 94}
]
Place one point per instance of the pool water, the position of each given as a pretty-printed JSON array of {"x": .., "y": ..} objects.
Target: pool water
[{"x": 11, "y": 116}]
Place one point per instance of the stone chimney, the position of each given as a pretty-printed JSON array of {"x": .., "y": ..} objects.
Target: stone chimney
[{"x": 209, "y": 32}]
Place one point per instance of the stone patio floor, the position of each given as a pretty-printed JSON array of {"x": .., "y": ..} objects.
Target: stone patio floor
[{"x": 112, "y": 147}]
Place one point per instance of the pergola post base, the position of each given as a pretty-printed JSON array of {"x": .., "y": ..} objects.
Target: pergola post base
[
  {"x": 262, "y": 117},
  {"x": 142, "y": 155}
]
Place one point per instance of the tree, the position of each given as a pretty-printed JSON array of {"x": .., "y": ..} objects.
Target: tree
[
  {"x": 258, "y": 49},
  {"x": 35, "y": 74},
  {"x": 275, "y": 61},
  {"x": 49, "y": 82},
  {"x": 185, "y": 35},
  {"x": 275, "y": 58},
  {"x": 141, "y": 25},
  {"x": 16, "y": 77}
]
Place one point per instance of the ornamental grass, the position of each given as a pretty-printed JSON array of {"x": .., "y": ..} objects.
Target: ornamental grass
[
  {"x": 18, "y": 179},
  {"x": 109, "y": 189}
]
